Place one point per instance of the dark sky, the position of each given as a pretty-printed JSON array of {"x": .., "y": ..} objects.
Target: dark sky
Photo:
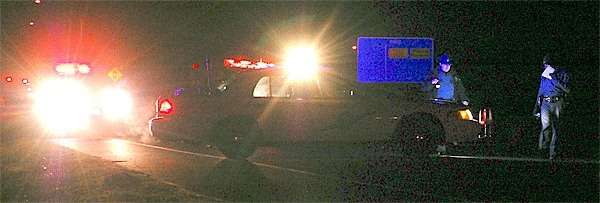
[{"x": 162, "y": 39}]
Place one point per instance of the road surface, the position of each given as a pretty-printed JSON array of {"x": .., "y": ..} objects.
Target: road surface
[{"x": 330, "y": 172}]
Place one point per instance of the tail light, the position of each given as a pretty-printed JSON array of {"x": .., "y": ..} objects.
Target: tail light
[
  {"x": 465, "y": 114},
  {"x": 484, "y": 116},
  {"x": 165, "y": 106}
]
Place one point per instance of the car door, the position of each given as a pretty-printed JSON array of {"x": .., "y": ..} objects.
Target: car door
[{"x": 313, "y": 110}]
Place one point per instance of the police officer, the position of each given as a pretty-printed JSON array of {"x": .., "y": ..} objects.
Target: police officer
[
  {"x": 444, "y": 83},
  {"x": 550, "y": 102}
]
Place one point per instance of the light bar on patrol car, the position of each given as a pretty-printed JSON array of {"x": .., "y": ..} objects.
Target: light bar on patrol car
[
  {"x": 300, "y": 63},
  {"x": 246, "y": 64},
  {"x": 72, "y": 68}
]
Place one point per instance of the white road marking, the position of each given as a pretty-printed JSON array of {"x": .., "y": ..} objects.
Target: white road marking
[
  {"x": 173, "y": 150},
  {"x": 63, "y": 142},
  {"x": 561, "y": 160}
]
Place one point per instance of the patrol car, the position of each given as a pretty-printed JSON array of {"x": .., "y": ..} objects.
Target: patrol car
[
  {"x": 260, "y": 103},
  {"x": 77, "y": 100}
]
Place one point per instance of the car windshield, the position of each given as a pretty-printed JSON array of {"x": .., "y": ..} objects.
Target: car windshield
[{"x": 299, "y": 101}]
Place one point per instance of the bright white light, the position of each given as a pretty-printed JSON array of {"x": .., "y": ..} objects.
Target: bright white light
[
  {"x": 82, "y": 68},
  {"x": 115, "y": 103},
  {"x": 69, "y": 143},
  {"x": 119, "y": 147},
  {"x": 62, "y": 105},
  {"x": 301, "y": 63},
  {"x": 66, "y": 68}
]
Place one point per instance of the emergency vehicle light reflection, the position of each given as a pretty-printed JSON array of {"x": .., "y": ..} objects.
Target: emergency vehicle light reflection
[
  {"x": 69, "y": 143},
  {"x": 119, "y": 147}
]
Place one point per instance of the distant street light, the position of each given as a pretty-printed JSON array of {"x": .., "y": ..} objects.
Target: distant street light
[{"x": 31, "y": 23}]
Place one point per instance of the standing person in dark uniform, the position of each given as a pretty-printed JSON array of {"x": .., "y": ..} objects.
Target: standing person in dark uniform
[
  {"x": 550, "y": 103},
  {"x": 445, "y": 84}
]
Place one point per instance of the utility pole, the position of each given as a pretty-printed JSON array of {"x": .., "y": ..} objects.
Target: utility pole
[{"x": 208, "y": 87}]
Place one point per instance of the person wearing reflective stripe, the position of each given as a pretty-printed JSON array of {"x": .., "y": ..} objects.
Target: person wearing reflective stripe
[{"x": 550, "y": 103}]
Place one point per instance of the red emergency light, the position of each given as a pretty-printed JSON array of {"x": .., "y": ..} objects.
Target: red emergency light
[
  {"x": 165, "y": 106},
  {"x": 247, "y": 64}
]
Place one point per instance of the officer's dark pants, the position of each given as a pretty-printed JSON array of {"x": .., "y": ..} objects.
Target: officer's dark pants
[{"x": 550, "y": 113}]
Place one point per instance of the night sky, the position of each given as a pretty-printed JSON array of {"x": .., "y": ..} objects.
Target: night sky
[
  {"x": 175, "y": 34},
  {"x": 498, "y": 46}
]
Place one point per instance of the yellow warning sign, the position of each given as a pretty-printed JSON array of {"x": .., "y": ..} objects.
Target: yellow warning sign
[{"x": 115, "y": 74}]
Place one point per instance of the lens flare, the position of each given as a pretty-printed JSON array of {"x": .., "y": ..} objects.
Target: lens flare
[
  {"x": 116, "y": 103},
  {"x": 301, "y": 63}
]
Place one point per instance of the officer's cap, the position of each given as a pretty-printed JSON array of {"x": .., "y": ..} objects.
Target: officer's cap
[{"x": 445, "y": 59}]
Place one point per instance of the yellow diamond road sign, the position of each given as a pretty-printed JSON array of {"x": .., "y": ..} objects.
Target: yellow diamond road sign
[{"x": 115, "y": 74}]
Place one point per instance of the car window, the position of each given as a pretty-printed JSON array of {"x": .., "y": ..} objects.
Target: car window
[
  {"x": 278, "y": 86},
  {"x": 270, "y": 87},
  {"x": 262, "y": 88}
]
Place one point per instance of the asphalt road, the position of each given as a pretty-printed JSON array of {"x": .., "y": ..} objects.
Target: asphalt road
[
  {"x": 335, "y": 172},
  {"x": 209, "y": 173}
]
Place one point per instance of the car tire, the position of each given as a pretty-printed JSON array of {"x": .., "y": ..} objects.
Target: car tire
[
  {"x": 421, "y": 134},
  {"x": 235, "y": 137}
]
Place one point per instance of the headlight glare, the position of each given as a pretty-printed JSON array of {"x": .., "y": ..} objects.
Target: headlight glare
[
  {"x": 115, "y": 103},
  {"x": 63, "y": 105}
]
